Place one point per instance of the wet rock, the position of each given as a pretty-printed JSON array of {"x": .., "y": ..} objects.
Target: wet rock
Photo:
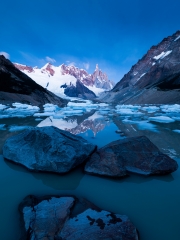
[
  {"x": 95, "y": 225},
  {"x": 45, "y": 219},
  {"x": 137, "y": 155},
  {"x": 69, "y": 218},
  {"x": 47, "y": 149}
]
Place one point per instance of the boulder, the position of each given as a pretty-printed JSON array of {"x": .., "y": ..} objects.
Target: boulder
[
  {"x": 47, "y": 149},
  {"x": 95, "y": 225},
  {"x": 44, "y": 219},
  {"x": 137, "y": 155},
  {"x": 69, "y": 218}
]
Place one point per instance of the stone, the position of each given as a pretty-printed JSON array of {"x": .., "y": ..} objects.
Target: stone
[
  {"x": 47, "y": 149},
  {"x": 97, "y": 225},
  {"x": 71, "y": 218},
  {"x": 136, "y": 155},
  {"x": 44, "y": 219}
]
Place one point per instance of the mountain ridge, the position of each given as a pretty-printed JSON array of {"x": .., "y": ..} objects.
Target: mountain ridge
[
  {"x": 52, "y": 78},
  {"x": 155, "y": 78},
  {"x": 17, "y": 86}
]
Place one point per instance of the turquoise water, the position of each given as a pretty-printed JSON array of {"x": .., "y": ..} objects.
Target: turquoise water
[{"x": 152, "y": 203}]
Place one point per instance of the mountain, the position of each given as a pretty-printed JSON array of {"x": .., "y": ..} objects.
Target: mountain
[
  {"x": 155, "y": 78},
  {"x": 16, "y": 86},
  {"x": 70, "y": 77}
]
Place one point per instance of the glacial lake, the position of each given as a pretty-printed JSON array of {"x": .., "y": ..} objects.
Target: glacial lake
[{"x": 151, "y": 203}]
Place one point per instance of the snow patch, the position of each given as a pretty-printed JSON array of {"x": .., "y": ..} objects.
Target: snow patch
[
  {"x": 177, "y": 38},
  {"x": 162, "y": 55}
]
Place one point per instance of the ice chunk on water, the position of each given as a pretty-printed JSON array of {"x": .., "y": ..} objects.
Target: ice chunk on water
[
  {"x": 2, "y": 106},
  {"x": 161, "y": 119},
  {"x": 142, "y": 125},
  {"x": 175, "y": 108},
  {"x": 150, "y": 109},
  {"x": 176, "y": 130}
]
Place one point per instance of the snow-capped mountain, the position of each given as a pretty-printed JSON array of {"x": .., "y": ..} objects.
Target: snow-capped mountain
[
  {"x": 15, "y": 86},
  {"x": 58, "y": 79}
]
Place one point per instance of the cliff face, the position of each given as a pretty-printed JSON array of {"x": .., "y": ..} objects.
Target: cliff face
[
  {"x": 17, "y": 86},
  {"x": 153, "y": 79}
]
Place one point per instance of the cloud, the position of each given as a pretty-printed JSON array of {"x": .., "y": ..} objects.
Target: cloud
[
  {"x": 86, "y": 65},
  {"x": 51, "y": 60},
  {"x": 5, "y": 54}
]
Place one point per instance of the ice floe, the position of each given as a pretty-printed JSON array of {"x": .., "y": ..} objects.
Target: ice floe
[
  {"x": 176, "y": 130},
  {"x": 161, "y": 119},
  {"x": 142, "y": 125}
]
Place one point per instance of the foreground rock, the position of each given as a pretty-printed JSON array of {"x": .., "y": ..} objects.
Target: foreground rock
[
  {"x": 47, "y": 149},
  {"x": 137, "y": 155},
  {"x": 68, "y": 218}
]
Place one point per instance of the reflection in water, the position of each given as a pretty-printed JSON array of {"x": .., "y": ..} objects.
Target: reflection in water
[
  {"x": 152, "y": 203},
  {"x": 68, "y": 181}
]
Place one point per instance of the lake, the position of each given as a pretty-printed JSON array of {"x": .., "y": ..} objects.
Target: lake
[{"x": 152, "y": 203}]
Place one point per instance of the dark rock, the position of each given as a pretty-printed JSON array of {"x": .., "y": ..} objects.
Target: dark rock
[
  {"x": 98, "y": 225},
  {"x": 137, "y": 155},
  {"x": 69, "y": 218},
  {"x": 47, "y": 149},
  {"x": 79, "y": 91},
  {"x": 16, "y": 86},
  {"x": 155, "y": 78}
]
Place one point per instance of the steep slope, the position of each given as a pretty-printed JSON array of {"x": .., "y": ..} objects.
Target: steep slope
[
  {"x": 153, "y": 79},
  {"x": 53, "y": 78},
  {"x": 16, "y": 86}
]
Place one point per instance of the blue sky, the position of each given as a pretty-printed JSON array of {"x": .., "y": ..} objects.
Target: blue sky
[{"x": 112, "y": 33}]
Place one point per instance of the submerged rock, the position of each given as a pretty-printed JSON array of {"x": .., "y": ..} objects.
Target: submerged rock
[
  {"x": 47, "y": 149},
  {"x": 137, "y": 155},
  {"x": 69, "y": 218}
]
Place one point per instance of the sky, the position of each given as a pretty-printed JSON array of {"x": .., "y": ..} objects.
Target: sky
[{"x": 114, "y": 34}]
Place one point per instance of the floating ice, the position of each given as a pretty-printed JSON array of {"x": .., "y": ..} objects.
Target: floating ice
[
  {"x": 176, "y": 130},
  {"x": 2, "y": 106},
  {"x": 150, "y": 109},
  {"x": 161, "y": 119},
  {"x": 175, "y": 108},
  {"x": 18, "y": 110},
  {"x": 142, "y": 125},
  {"x": 48, "y": 107}
]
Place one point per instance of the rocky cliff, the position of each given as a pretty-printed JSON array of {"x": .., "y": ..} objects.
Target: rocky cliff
[
  {"x": 155, "y": 78},
  {"x": 16, "y": 86}
]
